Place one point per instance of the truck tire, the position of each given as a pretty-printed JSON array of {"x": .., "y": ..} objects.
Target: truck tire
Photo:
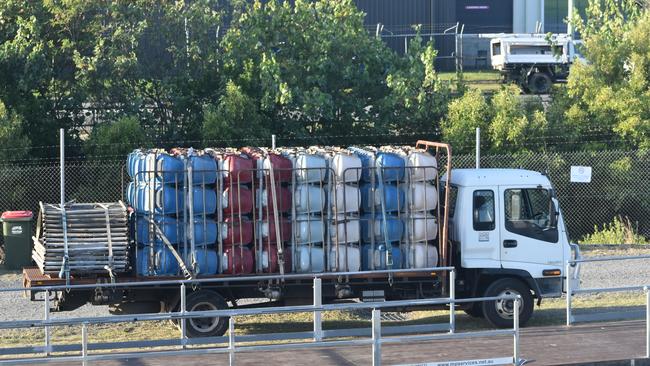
[
  {"x": 499, "y": 313},
  {"x": 203, "y": 300},
  {"x": 539, "y": 83}
]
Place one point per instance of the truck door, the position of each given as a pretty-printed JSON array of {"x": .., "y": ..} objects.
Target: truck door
[{"x": 528, "y": 230}]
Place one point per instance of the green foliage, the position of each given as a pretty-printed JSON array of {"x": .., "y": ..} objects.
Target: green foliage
[
  {"x": 514, "y": 120},
  {"x": 58, "y": 58},
  {"x": 508, "y": 121},
  {"x": 418, "y": 99},
  {"x": 619, "y": 231},
  {"x": 311, "y": 68},
  {"x": 465, "y": 114},
  {"x": 14, "y": 144},
  {"x": 236, "y": 117},
  {"x": 611, "y": 92},
  {"x": 112, "y": 140}
]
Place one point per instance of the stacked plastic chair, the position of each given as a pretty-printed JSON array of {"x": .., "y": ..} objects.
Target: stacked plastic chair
[
  {"x": 272, "y": 197},
  {"x": 382, "y": 200},
  {"x": 234, "y": 210}
]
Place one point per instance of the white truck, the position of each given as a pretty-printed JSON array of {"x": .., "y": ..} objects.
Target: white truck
[
  {"x": 534, "y": 61},
  {"x": 501, "y": 229}
]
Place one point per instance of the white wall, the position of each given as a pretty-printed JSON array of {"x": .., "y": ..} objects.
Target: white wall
[{"x": 526, "y": 14}]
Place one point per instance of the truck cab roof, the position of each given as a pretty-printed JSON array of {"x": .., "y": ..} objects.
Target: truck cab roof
[{"x": 496, "y": 177}]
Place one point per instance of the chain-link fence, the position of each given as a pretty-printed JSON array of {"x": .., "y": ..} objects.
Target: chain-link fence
[{"x": 620, "y": 184}]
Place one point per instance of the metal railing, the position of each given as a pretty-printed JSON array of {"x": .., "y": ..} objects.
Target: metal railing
[
  {"x": 317, "y": 336},
  {"x": 376, "y": 340},
  {"x": 572, "y": 318}
]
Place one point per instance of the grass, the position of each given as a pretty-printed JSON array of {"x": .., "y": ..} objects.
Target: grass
[
  {"x": 485, "y": 80},
  {"x": 621, "y": 231},
  {"x": 469, "y": 76}
]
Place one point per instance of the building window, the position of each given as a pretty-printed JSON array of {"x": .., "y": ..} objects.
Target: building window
[
  {"x": 483, "y": 210},
  {"x": 530, "y": 212}
]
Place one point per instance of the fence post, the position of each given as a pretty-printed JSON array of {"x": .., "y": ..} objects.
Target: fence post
[
  {"x": 568, "y": 293},
  {"x": 647, "y": 321},
  {"x": 318, "y": 301},
  {"x": 48, "y": 346},
  {"x": 183, "y": 320},
  {"x": 84, "y": 343},
  {"x": 231, "y": 341},
  {"x": 452, "y": 299},
  {"x": 478, "y": 148},
  {"x": 515, "y": 325},
  {"x": 376, "y": 337}
]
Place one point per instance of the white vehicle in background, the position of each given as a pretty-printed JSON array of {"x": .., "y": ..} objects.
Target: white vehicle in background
[{"x": 534, "y": 61}]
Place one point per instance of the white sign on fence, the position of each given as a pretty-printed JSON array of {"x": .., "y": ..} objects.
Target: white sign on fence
[{"x": 581, "y": 174}]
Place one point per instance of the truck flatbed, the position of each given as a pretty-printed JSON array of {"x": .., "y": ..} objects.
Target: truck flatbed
[{"x": 34, "y": 278}]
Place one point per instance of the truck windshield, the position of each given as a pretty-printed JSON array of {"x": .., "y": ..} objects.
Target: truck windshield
[{"x": 529, "y": 212}]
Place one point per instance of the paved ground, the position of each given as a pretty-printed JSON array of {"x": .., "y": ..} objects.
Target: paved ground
[{"x": 557, "y": 345}]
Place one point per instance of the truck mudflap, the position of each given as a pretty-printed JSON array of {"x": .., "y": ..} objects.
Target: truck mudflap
[{"x": 550, "y": 286}]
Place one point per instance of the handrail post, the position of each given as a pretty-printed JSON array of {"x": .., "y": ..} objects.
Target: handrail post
[
  {"x": 48, "y": 346},
  {"x": 318, "y": 301},
  {"x": 231, "y": 341},
  {"x": 183, "y": 320},
  {"x": 568, "y": 293},
  {"x": 647, "y": 321},
  {"x": 515, "y": 325},
  {"x": 84, "y": 343},
  {"x": 376, "y": 337},
  {"x": 452, "y": 303}
]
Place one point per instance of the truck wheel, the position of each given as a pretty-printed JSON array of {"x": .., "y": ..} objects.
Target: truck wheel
[
  {"x": 203, "y": 300},
  {"x": 540, "y": 83},
  {"x": 500, "y": 312},
  {"x": 475, "y": 310}
]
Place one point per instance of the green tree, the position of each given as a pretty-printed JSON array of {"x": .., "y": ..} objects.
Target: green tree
[
  {"x": 509, "y": 121},
  {"x": 61, "y": 59},
  {"x": 517, "y": 123},
  {"x": 36, "y": 70},
  {"x": 611, "y": 91},
  {"x": 159, "y": 60},
  {"x": 116, "y": 139},
  {"x": 418, "y": 99},
  {"x": 310, "y": 67},
  {"x": 465, "y": 114},
  {"x": 13, "y": 141},
  {"x": 236, "y": 118}
]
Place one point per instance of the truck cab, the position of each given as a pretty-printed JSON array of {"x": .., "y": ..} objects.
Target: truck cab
[{"x": 508, "y": 237}]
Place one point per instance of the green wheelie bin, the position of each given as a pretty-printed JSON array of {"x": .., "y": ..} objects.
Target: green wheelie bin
[{"x": 17, "y": 235}]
